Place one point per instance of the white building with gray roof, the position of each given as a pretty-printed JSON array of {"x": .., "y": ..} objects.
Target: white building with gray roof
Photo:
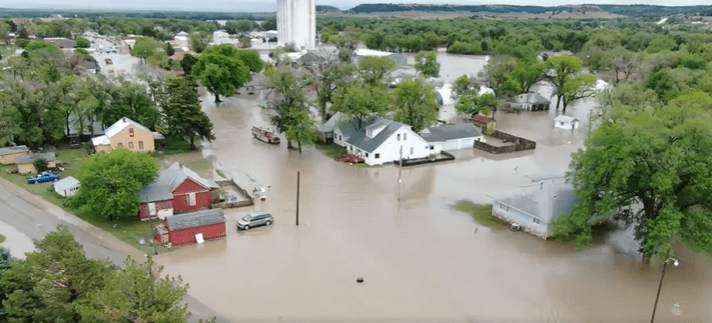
[
  {"x": 452, "y": 137},
  {"x": 535, "y": 207}
]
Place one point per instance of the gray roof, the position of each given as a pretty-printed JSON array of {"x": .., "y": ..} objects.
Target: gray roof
[
  {"x": 13, "y": 150},
  {"x": 169, "y": 180},
  {"x": 195, "y": 219},
  {"x": 330, "y": 124},
  {"x": 358, "y": 137},
  {"x": 532, "y": 98},
  {"x": 65, "y": 183},
  {"x": 546, "y": 200},
  {"x": 445, "y": 133},
  {"x": 26, "y": 159}
]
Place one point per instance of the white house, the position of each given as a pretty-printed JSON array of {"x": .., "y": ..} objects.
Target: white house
[
  {"x": 67, "y": 186},
  {"x": 451, "y": 137},
  {"x": 566, "y": 122},
  {"x": 378, "y": 140}
]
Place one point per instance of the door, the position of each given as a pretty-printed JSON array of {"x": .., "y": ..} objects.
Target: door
[{"x": 258, "y": 220}]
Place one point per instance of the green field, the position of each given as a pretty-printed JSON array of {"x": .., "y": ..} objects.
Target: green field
[
  {"x": 330, "y": 150},
  {"x": 2, "y": 238},
  {"x": 482, "y": 214}
]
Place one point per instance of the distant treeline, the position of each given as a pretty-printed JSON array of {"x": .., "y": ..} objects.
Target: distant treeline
[
  {"x": 627, "y": 10},
  {"x": 91, "y": 14}
]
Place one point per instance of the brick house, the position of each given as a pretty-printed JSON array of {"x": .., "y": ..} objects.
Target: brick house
[
  {"x": 126, "y": 134},
  {"x": 178, "y": 189}
]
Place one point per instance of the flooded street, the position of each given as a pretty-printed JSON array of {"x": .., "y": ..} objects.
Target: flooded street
[{"x": 421, "y": 260}]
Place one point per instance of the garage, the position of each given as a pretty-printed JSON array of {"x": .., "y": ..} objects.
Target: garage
[
  {"x": 190, "y": 228},
  {"x": 451, "y": 137}
]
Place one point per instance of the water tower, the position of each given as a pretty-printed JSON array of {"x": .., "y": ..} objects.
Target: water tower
[{"x": 296, "y": 23}]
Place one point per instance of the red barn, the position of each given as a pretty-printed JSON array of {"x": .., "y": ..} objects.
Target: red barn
[
  {"x": 178, "y": 189},
  {"x": 182, "y": 229}
]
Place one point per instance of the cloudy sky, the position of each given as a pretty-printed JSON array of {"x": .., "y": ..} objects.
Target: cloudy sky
[{"x": 270, "y": 5}]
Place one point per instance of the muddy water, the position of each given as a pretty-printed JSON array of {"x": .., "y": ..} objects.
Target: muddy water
[
  {"x": 17, "y": 242},
  {"x": 421, "y": 260}
]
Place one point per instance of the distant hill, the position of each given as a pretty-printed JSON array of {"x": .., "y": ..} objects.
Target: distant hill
[
  {"x": 627, "y": 10},
  {"x": 320, "y": 8}
]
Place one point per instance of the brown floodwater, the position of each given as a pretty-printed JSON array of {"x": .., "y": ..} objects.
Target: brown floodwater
[{"x": 421, "y": 260}]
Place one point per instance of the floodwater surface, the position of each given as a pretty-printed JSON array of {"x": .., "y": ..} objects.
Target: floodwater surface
[{"x": 421, "y": 260}]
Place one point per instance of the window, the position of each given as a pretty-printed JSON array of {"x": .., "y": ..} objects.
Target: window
[
  {"x": 152, "y": 208},
  {"x": 404, "y": 136},
  {"x": 339, "y": 137},
  {"x": 432, "y": 147},
  {"x": 140, "y": 145},
  {"x": 120, "y": 145},
  {"x": 378, "y": 156},
  {"x": 190, "y": 199},
  {"x": 536, "y": 220},
  {"x": 366, "y": 154},
  {"x": 130, "y": 144},
  {"x": 398, "y": 137},
  {"x": 131, "y": 132},
  {"x": 411, "y": 150}
]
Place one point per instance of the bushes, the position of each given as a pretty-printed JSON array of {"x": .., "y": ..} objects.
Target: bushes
[
  {"x": 464, "y": 48},
  {"x": 40, "y": 164}
]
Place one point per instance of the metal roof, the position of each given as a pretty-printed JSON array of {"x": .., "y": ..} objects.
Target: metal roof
[
  {"x": 13, "y": 150},
  {"x": 195, "y": 219},
  {"x": 563, "y": 118},
  {"x": 100, "y": 140},
  {"x": 155, "y": 193},
  {"x": 26, "y": 159},
  {"x": 67, "y": 182},
  {"x": 445, "y": 133},
  {"x": 546, "y": 200},
  {"x": 533, "y": 98},
  {"x": 169, "y": 180}
]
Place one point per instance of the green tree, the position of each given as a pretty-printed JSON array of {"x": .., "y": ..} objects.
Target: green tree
[
  {"x": 187, "y": 63},
  {"x": 472, "y": 105},
  {"x": 40, "y": 164},
  {"x": 145, "y": 47},
  {"x": 360, "y": 102},
  {"x": 301, "y": 128},
  {"x": 111, "y": 183},
  {"x": 497, "y": 76},
  {"x": 375, "y": 70},
  {"x": 183, "y": 115},
  {"x": 199, "y": 41},
  {"x": 427, "y": 64},
  {"x": 239, "y": 26},
  {"x": 415, "y": 104},
  {"x": 465, "y": 86},
  {"x": 251, "y": 59},
  {"x": 136, "y": 293},
  {"x": 333, "y": 78},
  {"x": 582, "y": 86},
  {"x": 221, "y": 70},
  {"x": 527, "y": 75},
  {"x": 657, "y": 158},
  {"x": 49, "y": 284},
  {"x": 6, "y": 261},
  {"x": 82, "y": 42},
  {"x": 559, "y": 70},
  {"x": 290, "y": 99}
]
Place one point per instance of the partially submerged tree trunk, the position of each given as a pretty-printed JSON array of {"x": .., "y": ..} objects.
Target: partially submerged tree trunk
[
  {"x": 192, "y": 144},
  {"x": 217, "y": 98}
]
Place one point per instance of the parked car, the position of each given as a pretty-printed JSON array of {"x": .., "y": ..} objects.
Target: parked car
[
  {"x": 255, "y": 219},
  {"x": 43, "y": 178}
]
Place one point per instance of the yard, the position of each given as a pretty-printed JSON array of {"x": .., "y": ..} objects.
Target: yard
[
  {"x": 482, "y": 214},
  {"x": 129, "y": 230},
  {"x": 2, "y": 238}
]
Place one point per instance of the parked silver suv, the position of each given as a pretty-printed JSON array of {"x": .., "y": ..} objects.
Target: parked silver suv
[{"x": 255, "y": 219}]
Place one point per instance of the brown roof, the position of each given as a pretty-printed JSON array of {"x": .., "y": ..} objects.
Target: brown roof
[{"x": 482, "y": 119}]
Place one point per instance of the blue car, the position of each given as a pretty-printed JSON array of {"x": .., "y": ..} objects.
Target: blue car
[{"x": 43, "y": 178}]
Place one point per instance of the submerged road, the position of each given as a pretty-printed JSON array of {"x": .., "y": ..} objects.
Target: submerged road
[{"x": 25, "y": 217}]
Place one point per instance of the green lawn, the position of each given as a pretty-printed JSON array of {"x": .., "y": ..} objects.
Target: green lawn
[
  {"x": 175, "y": 145},
  {"x": 2, "y": 238},
  {"x": 129, "y": 230},
  {"x": 482, "y": 214},
  {"x": 330, "y": 150}
]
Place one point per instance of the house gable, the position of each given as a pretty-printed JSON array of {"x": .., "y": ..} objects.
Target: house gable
[{"x": 189, "y": 186}]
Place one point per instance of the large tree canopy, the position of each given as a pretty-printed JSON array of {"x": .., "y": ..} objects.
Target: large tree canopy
[
  {"x": 221, "y": 70},
  {"x": 416, "y": 104},
  {"x": 657, "y": 160}
]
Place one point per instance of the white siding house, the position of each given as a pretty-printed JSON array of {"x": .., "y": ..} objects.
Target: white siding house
[
  {"x": 378, "y": 140},
  {"x": 566, "y": 122}
]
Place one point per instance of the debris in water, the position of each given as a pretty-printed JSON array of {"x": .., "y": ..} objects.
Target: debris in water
[{"x": 359, "y": 280}]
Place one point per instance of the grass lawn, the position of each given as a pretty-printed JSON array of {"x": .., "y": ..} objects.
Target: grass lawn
[
  {"x": 482, "y": 214},
  {"x": 129, "y": 230},
  {"x": 330, "y": 150},
  {"x": 2, "y": 238},
  {"x": 178, "y": 145}
]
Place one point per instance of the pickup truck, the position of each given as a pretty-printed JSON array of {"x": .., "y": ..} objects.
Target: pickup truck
[{"x": 43, "y": 178}]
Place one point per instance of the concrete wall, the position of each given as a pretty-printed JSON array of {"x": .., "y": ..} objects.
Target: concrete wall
[
  {"x": 124, "y": 137},
  {"x": 296, "y": 23},
  {"x": 512, "y": 215},
  {"x": 9, "y": 159}
]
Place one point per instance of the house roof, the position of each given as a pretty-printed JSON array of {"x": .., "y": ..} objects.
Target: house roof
[
  {"x": 566, "y": 119},
  {"x": 182, "y": 33},
  {"x": 62, "y": 42},
  {"x": 65, "y": 183},
  {"x": 547, "y": 199},
  {"x": 330, "y": 124},
  {"x": 117, "y": 127},
  {"x": 532, "y": 98},
  {"x": 13, "y": 150},
  {"x": 195, "y": 219},
  {"x": 169, "y": 180},
  {"x": 310, "y": 57},
  {"x": 445, "y": 133},
  {"x": 101, "y": 140},
  {"x": 26, "y": 159},
  {"x": 483, "y": 119},
  {"x": 359, "y": 138}
]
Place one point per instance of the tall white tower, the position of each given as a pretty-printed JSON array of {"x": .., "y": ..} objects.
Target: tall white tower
[{"x": 296, "y": 23}]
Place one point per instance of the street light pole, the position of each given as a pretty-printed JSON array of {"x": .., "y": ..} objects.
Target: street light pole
[
  {"x": 297, "y": 198},
  {"x": 660, "y": 285}
]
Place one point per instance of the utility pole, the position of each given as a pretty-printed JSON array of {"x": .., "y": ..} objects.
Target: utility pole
[
  {"x": 297, "y": 198},
  {"x": 400, "y": 168}
]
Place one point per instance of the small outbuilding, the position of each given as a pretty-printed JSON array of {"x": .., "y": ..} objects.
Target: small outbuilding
[
  {"x": 451, "y": 137},
  {"x": 529, "y": 102},
  {"x": 484, "y": 122},
  {"x": 9, "y": 154},
  {"x": 67, "y": 186},
  {"x": 25, "y": 164},
  {"x": 189, "y": 228},
  {"x": 535, "y": 207},
  {"x": 566, "y": 122}
]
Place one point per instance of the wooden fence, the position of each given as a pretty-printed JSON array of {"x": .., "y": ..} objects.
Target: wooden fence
[{"x": 518, "y": 144}]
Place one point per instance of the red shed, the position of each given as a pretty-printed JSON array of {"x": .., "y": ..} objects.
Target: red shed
[{"x": 182, "y": 229}]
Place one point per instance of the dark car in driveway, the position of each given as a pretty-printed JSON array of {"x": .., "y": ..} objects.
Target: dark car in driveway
[{"x": 254, "y": 220}]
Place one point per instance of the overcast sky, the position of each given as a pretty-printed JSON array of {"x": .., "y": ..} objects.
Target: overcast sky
[{"x": 270, "y": 5}]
